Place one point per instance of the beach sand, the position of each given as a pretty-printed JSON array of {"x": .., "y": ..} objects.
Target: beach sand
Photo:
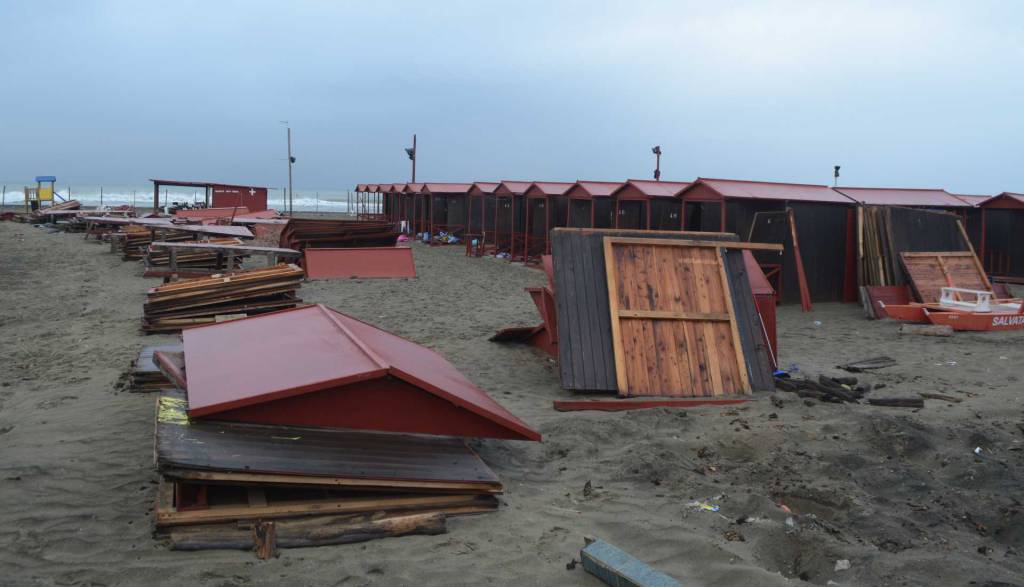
[{"x": 900, "y": 494}]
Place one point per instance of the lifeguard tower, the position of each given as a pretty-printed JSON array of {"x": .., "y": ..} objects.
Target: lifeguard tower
[{"x": 38, "y": 196}]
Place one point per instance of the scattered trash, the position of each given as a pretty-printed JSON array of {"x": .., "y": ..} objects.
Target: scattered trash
[
  {"x": 734, "y": 536},
  {"x": 703, "y": 506},
  {"x": 571, "y": 565},
  {"x": 785, "y": 508},
  {"x": 865, "y": 364},
  {"x": 817, "y": 323},
  {"x": 977, "y": 450},
  {"x": 842, "y": 565},
  {"x": 588, "y": 489}
]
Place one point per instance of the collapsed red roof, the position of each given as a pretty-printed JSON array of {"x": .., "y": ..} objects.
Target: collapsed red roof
[
  {"x": 314, "y": 366},
  {"x": 903, "y": 197}
]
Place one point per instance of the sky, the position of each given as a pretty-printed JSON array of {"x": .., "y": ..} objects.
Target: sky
[{"x": 900, "y": 94}]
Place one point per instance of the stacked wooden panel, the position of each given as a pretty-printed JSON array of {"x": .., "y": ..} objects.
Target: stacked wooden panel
[
  {"x": 133, "y": 241},
  {"x": 306, "y": 486},
  {"x": 206, "y": 300},
  {"x": 145, "y": 375},
  {"x": 195, "y": 260},
  {"x": 300, "y": 233}
]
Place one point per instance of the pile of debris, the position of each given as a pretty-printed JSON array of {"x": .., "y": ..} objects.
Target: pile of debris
[
  {"x": 145, "y": 375},
  {"x": 205, "y": 300},
  {"x": 301, "y": 233},
  {"x": 344, "y": 434},
  {"x": 46, "y": 214},
  {"x": 196, "y": 260}
]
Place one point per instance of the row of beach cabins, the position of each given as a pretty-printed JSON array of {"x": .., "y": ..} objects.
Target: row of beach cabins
[{"x": 513, "y": 218}]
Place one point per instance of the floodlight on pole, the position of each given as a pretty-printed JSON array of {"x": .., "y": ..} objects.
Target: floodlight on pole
[
  {"x": 411, "y": 152},
  {"x": 835, "y": 176},
  {"x": 291, "y": 160},
  {"x": 657, "y": 162}
]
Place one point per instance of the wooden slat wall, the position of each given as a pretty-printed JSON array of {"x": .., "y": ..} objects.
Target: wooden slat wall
[
  {"x": 930, "y": 272},
  {"x": 672, "y": 321},
  {"x": 586, "y": 356}
]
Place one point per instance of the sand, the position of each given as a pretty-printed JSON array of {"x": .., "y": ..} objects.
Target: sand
[{"x": 898, "y": 493}]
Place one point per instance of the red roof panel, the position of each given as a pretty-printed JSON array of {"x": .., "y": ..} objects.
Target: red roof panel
[
  {"x": 767, "y": 190},
  {"x": 413, "y": 188},
  {"x": 552, "y": 188},
  {"x": 1005, "y": 195},
  {"x": 447, "y": 188},
  {"x": 659, "y": 189},
  {"x": 600, "y": 188},
  {"x": 486, "y": 187},
  {"x": 351, "y": 374},
  {"x": 903, "y": 197},
  {"x": 516, "y": 187}
]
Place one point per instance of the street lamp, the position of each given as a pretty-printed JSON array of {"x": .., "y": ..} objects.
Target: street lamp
[
  {"x": 412, "y": 157},
  {"x": 657, "y": 162},
  {"x": 291, "y": 160},
  {"x": 835, "y": 176}
]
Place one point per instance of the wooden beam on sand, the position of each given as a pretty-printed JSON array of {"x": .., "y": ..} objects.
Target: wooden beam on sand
[{"x": 619, "y": 405}]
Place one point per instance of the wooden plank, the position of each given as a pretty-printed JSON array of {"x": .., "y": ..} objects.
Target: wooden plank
[
  {"x": 291, "y": 480},
  {"x": 699, "y": 243},
  {"x": 805, "y": 294},
  {"x": 741, "y": 363},
  {"x": 304, "y": 532},
  {"x": 619, "y": 405},
  {"x": 227, "y": 248},
  {"x": 312, "y": 507},
  {"x": 613, "y": 294}
]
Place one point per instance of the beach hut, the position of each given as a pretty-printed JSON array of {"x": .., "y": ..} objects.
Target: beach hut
[
  {"x": 972, "y": 217},
  {"x": 547, "y": 207},
  {"x": 1001, "y": 244},
  {"x": 510, "y": 216},
  {"x": 591, "y": 204},
  {"x": 449, "y": 208},
  {"x": 415, "y": 205},
  {"x": 649, "y": 205},
  {"x": 819, "y": 232},
  {"x": 218, "y": 195},
  {"x": 481, "y": 214}
]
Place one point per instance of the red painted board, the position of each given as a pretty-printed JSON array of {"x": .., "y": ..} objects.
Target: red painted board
[
  {"x": 338, "y": 372},
  {"x": 976, "y": 321},
  {"x": 889, "y": 295},
  {"x": 363, "y": 263},
  {"x": 619, "y": 405}
]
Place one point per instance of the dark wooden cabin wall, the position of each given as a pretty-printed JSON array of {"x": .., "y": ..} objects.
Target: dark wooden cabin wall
[
  {"x": 604, "y": 213},
  {"x": 632, "y": 214},
  {"x": 579, "y": 213},
  {"x": 1004, "y": 242},
  {"x": 665, "y": 213},
  {"x": 821, "y": 231}
]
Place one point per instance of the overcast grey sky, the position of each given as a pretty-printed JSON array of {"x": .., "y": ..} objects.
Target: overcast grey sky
[{"x": 914, "y": 93}]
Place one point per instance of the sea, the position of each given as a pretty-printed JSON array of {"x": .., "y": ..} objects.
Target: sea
[{"x": 304, "y": 200}]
